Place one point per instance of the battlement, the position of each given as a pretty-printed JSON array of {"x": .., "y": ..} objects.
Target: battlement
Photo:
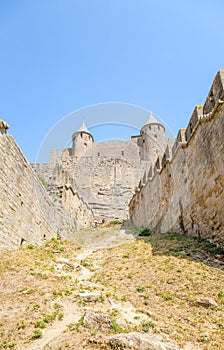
[
  {"x": 112, "y": 143},
  {"x": 216, "y": 93},
  {"x": 186, "y": 175}
]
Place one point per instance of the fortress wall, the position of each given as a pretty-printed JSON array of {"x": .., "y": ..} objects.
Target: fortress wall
[
  {"x": 187, "y": 194},
  {"x": 72, "y": 211},
  {"x": 26, "y": 211}
]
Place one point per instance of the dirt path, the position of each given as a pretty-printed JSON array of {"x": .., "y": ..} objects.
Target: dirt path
[{"x": 89, "y": 241}]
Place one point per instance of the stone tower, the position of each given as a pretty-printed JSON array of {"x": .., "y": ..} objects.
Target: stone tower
[
  {"x": 81, "y": 141},
  {"x": 152, "y": 140}
]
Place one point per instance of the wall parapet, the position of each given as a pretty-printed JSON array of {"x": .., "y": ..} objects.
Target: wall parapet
[{"x": 189, "y": 180}]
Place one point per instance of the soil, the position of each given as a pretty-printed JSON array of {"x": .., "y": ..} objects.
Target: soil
[{"x": 148, "y": 285}]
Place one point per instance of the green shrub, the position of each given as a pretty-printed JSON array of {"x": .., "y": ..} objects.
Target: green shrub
[
  {"x": 146, "y": 325},
  {"x": 145, "y": 232},
  {"x": 30, "y": 246},
  {"x": 37, "y": 333},
  {"x": 115, "y": 222},
  {"x": 40, "y": 324}
]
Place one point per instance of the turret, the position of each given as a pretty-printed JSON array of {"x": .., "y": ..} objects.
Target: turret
[
  {"x": 81, "y": 140},
  {"x": 152, "y": 140}
]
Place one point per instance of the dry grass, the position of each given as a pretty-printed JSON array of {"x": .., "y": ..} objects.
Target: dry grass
[
  {"x": 167, "y": 286},
  {"x": 160, "y": 277}
]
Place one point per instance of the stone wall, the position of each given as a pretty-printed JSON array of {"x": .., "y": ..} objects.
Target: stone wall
[
  {"x": 67, "y": 201},
  {"x": 27, "y": 214},
  {"x": 185, "y": 194},
  {"x": 104, "y": 177}
]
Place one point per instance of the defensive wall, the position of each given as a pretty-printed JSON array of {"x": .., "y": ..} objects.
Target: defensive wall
[
  {"x": 184, "y": 190},
  {"x": 27, "y": 214},
  {"x": 105, "y": 176}
]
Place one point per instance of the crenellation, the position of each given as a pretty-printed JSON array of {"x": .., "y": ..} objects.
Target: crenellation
[
  {"x": 194, "y": 121},
  {"x": 216, "y": 93},
  {"x": 189, "y": 196},
  {"x": 180, "y": 140}
]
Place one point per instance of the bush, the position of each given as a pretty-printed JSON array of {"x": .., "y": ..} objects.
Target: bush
[
  {"x": 145, "y": 232},
  {"x": 37, "y": 333}
]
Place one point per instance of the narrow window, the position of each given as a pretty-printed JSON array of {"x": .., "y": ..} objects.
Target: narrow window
[
  {"x": 155, "y": 136},
  {"x": 98, "y": 154},
  {"x": 122, "y": 153}
]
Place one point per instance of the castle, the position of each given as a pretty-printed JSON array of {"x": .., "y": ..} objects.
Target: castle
[
  {"x": 106, "y": 174},
  {"x": 162, "y": 184}
]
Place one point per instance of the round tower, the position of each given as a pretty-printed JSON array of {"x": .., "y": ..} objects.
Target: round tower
[
  {"x": 81, "y": 140},
  {"x": 152, "y": 141}
]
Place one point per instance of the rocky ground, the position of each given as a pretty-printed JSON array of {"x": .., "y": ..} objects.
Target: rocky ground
[{"x": 107, "y": 289}]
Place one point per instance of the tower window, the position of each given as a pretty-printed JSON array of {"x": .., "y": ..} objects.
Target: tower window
[
  {"x": 155, "y": 136},
  {"x": 158, "y": 127},
  {"x": 149, "y": 127},
  {"x": 122, "y": 153},
  {"x": 81, "y": 134},
  {"x": 85, "y": 144},
  {"x": 98, "y": 154},
  {"x": 143, "y": 141}
]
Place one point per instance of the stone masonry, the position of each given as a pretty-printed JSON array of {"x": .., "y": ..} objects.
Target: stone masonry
[
  {"x": 105, "y": 174},
  {"x": 28, "y": 215},
  {"x": 184, "y": 191},
  {"x": 162, "y": 184}
]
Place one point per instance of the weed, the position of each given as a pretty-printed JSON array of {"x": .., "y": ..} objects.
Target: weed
[
  {"x": 60, "y": 316},
  {"x": 21, "y": 324},
  {"x": 145, "y": 232},
  {"x": 40, "y": 324},
  {"x": 55, "y": 240},
  {"x": 37, "y": 333},
  {"x": 30, "y": 246},
  {"x": 140, "y": 289},
  {"x": 146, "y": 325},
  {"x": 114, "y": 222},
  {"x": 77, "y": 324},
  {"x": 116, "y": 327},
  {"x": 7, "y": 345},
  {"x": 50, "y": 317}
]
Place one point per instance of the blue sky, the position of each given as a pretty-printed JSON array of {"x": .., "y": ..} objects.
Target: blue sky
[{"x": 57, "y": 56}]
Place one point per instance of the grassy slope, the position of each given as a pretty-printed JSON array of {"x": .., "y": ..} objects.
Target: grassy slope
[{"x": 164, "y": 285}]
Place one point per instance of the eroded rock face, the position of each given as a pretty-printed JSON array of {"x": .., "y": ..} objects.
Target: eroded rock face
[{"x": 139, "y": 341}]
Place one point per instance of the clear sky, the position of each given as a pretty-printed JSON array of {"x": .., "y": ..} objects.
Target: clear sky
[{"x": 57, "y": 56}]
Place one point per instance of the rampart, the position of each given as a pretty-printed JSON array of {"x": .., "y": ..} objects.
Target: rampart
[
  {"x": 27, "y": 214},
  {"x": 184, "y": 191}
]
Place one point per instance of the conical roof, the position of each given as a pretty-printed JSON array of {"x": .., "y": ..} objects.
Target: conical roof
[
  {"x": 152, "y": 120},
  {"x": 83, "y": 128}
]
